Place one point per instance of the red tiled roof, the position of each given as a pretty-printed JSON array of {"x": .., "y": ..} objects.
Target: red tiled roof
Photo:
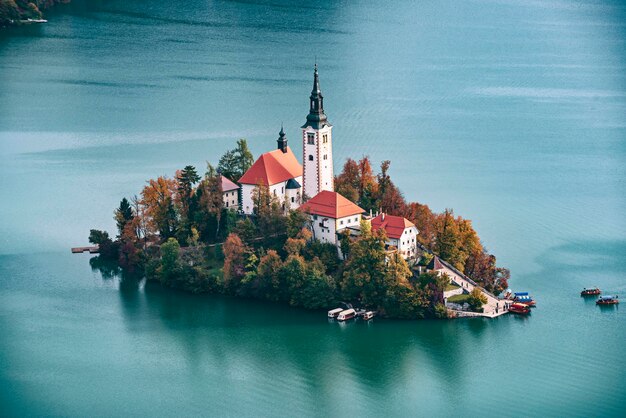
[
  {"x": 273, "y": 167},
  {"x": 393, "y": 225},
  {"x": 435, "y": 264},
  {"x": 228, "y": 185},
  {"x": 330, "y": 204}
]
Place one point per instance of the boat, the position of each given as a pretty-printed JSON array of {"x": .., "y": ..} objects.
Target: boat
[
  {"x": 525, "y": 299},
  {"x": 368, "y": 315},
  {"x": 333, "y": 313},
  {"x": 519, "y": 308},
  {"x": 346, "y": 314},
  {"x": 607, "y": 300},
  {"x": 590, "y": 292}
]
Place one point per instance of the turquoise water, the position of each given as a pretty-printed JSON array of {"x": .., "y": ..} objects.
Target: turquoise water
[{"x": 513, "y": 113}]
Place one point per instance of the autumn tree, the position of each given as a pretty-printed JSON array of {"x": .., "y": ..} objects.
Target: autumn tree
[
  {"x": 268, "y": 284},
  {"x": 269, "y": 213},
  {"x": 448, "y": 240},
  {"x": 347, "y": 182},
  {"x": 234, "y": 163},
  {"x": 211, "y": 203},
  {"x": 358, "y": 183},
  {"x": 424, "y": 220},
  {"x": 158, "y": 200},
  {"x": 235, "y": 254}
]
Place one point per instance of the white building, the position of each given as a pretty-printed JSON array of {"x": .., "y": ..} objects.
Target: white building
[
  {"x": 230, "y": 193},
  {"x": 330, "y": 213},
  {"x": 280, "y": 171},
  {"x": 401, "y": 233},
  {"x": 317, "y": 148}
]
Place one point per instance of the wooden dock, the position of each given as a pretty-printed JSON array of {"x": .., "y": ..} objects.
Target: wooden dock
[{"x": 91, "y": 250}]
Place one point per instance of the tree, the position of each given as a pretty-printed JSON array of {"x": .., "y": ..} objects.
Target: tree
[
  {"x": 296, "y": 221},
  {"x": 347, "y": 182},
  {"x": 211, "y": 201},
  {"x": 158, "y": 200},
  {"x": 476, "y": 299},
  {"x": 404, "y": 302},
  {"x": 364, "y": 277},
  {"x": 170, "y": 269},
  {"x": 107, "y": 248},
  {"x": 234, "y": 260},
  {"x": 397, "y": 271},
  {"x": 269, "y": 214},
  {"x": 358, "y": 183},
  {"x": 246, "y": 230},
  {"x": 268, "y": 286},
  {"x": 234, "y": 163},
  {"x": 186, "y": 179},
  {"x": 123, "y": 215},
  {"x": 448, "y": 240},
  {"x": 424, "y": 219},
  {"x": 316, "y": 292}
]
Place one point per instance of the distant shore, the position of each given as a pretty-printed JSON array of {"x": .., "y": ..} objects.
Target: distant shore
[{"x": 21, "y": 12}]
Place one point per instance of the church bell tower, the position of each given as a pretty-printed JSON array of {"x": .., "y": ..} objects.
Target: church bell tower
[{"x": 317, "y": 145}]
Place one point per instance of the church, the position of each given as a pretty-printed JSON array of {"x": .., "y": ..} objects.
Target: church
[
  {"x": 310, "y": 186},
  {"x": 291, "y": 182}
]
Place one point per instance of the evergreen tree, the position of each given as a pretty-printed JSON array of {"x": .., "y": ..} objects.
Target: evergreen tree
[
  {"x": 123, "y": 215},
  {"x": 234, "y": 163}
]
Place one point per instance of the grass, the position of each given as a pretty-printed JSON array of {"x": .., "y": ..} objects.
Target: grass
[
  {"x": 459, "y": 298},
  {"x": 451, "y": 286}
]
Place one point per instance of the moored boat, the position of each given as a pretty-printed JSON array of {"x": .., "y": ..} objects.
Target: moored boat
[
  {"x": 368, "y": 315},
  {"x": 590, "y": 292},
  {"x": 519, "y": 308},
  {"x": 524, "y": 298},
  {"x": 607, "y": 300},
  {"x": 333, "y": 313},
  {"x": 347, "y": 314}
]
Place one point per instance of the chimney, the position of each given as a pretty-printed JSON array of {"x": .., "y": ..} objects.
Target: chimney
[{"x": 383, "y": 215}]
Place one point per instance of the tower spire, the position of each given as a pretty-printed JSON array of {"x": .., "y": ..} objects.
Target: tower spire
[
  {"x": 316, "y": 117},
  {"x": 282, "y": 139}
]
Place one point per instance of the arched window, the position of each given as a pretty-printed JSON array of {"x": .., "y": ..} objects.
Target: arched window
[{"x": 311, "y": 157}]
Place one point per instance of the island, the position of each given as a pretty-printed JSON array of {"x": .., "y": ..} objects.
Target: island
[
  {"x": 295, "y": 233},
  {"x": 19, "y": 12}
]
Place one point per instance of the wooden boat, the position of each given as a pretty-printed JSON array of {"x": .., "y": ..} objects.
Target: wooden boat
[
  {"x": 525, "y": 299},
  {"x": 347, "y": 314},
  {"x": 590, "y": 292},
  {"x": 607, "y": 300},
  {"x": 519, "y": 308},
  {"x": 368, "y": 315},
  {"x": 334, "y": 313}
]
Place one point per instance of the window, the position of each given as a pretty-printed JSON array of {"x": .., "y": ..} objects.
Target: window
[
  {"x": 311, "y": 157},
  {"x": 325, "y": 156},
  {"x": 293, "y": 199},
  {"x": 226, "y": 204},
  {"x": 274, "y": 192},
  {"x": 282, "y": 189},
  {"x": 310, "y": 139},
  {"x": 341, "y": 222},
  {"x": 325, "y": 138}
]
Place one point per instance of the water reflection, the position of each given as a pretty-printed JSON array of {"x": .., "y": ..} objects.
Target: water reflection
[{"x": 226, "y": 335}]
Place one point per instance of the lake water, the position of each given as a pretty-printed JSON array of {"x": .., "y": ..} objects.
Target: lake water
[{"x": 511, "y": 112}]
